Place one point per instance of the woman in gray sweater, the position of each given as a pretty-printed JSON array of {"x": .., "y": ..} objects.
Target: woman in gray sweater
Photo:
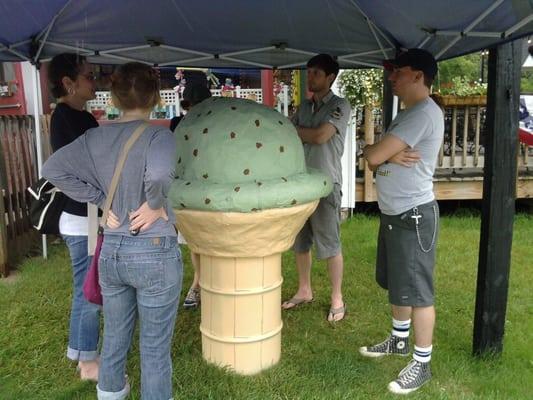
[{"x": 140, "y": 274}]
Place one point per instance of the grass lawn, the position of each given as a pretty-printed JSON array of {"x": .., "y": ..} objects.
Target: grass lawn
[{"x": 319, "y": 360}]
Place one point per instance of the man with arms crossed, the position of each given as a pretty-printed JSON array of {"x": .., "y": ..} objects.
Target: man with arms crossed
[
  {"x": 321, "y": 123},
  {"x": 404, "y": 161}
]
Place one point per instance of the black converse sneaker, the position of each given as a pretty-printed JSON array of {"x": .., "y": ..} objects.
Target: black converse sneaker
[
  {"x": 411, "y": 377},
  {"x": 393, "y": 345}
]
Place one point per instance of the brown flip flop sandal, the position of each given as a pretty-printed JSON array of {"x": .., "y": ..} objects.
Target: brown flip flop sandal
[
  {"x": 295, "y": 301},
  {"x": 337, "y": 311}
]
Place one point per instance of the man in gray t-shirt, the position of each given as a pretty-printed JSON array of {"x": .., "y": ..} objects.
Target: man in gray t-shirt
[
  {"x": 401, "y": 188},
  {"x": 321, "y": 123},
  {"x": 404, "y": 161}
]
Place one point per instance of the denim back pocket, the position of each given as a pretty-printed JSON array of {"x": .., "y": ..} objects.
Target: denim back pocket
[{"x": 148, "y": 275}]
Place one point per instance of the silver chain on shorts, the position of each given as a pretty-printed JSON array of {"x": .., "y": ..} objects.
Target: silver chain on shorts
[{"x": 415, "y": 217}]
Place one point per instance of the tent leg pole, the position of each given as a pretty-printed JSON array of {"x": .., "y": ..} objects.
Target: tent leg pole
[{"x": 38, "y": 139}]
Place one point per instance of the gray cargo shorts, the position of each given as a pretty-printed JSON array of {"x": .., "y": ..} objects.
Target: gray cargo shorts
[
  {"x": 406, "y": 258},
  {"x": 323, "y": 227}
]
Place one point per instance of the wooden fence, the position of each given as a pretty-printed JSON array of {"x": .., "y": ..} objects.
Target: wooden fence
[{"x": 18, "y": 170}]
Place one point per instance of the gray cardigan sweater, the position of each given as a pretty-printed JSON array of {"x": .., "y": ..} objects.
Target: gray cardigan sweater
[{"x": 83, "y": 171}]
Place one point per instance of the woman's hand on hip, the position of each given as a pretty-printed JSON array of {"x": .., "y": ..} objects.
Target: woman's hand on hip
[{"x": 144, "y": 217}]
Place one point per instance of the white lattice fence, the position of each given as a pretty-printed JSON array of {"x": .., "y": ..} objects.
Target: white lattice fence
[
  {"x": 171, "y": 101},
  {"x": 168, "y": 96},
  {"x": 100, "y": 102}
]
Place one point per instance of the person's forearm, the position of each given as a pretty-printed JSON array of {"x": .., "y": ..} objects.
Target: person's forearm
[
  {"x": 308, "y": 135},
  {"x": 371, "y": 155},
  {"x": 67, "y": 170},
  {"x": 319, "y": 135},
  {"x": 368, "y": 155},
  {"x": 75, "y": 188}
]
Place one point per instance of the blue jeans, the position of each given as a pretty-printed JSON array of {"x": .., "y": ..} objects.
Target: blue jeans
[
  {"x": 139, "y": 276},
  {"x": 84, "y": 316}
]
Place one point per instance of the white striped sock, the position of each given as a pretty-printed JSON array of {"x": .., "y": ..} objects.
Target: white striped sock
[
  {"x": 401, "y": 328},
  {"x": 423, "y": 354}
]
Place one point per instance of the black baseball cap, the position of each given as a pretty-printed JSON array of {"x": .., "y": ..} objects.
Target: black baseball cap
[{"x": 417, "y": 59}]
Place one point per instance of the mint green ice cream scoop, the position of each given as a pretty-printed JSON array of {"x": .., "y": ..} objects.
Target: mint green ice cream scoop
[{"x": 235, "y": 155}]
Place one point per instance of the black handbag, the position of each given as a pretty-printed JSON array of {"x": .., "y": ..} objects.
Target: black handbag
[{"x": 47, "y": 204}]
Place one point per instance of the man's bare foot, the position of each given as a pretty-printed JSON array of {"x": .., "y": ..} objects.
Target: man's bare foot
[
  {"x": 337, "y": 313},
  {"x": 297, "y": 300}
]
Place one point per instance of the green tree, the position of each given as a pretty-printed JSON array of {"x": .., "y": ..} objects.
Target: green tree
[
  {"x": 468, "y": 67},
  {"x": 526, "y": 83}
]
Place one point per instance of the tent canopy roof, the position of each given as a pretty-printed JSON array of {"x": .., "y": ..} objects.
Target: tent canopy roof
[{"x": 258, "y": 34}]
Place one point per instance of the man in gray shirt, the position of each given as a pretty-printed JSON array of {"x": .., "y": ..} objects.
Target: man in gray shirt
[
  {"x": 321, "y": 123},
  {"x": 404, "y": 161}
]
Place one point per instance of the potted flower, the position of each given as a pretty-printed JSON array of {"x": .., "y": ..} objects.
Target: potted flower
[{"x": 462, "y": 92}]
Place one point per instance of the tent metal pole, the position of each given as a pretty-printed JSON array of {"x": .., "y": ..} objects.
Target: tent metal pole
[
  {"x": 517, "y": 26},
  {"x": 41, "y": 45},
  {"x": 292, "y": 65},
  {"x": 15, "y": 52},
  {"x": 180, "y": 49},
  {"x": 297, "y": 51},
  {"x": 471, "y": 34},
  {"x": 46, "y": 30},
  {"x": 38, "y": 138},
  {"x": 423, "y": 42},
  {"x": 377, "y": 38},
  {"x": 73, "y": 48},
  {"x": 128, "y": 59},
  {"x": 369, "y": 20},
  {"x": 471, "y": 26},
  {"x": 238, "y": 53},
  {"x": 355, "y": 62},
  {"x": 447, "y": 47},
  {"x": 36, "y": 112},
  {"x": 21, "y": 43},
  {"x": 43, "y": 41},
  {"x": 121, "y": 49},
  {"x": 483, "y": 15},
  {"x": 256, "y": 64},
  {"x": 188, "y": 60},
  {"x": 365, "y": 53}
]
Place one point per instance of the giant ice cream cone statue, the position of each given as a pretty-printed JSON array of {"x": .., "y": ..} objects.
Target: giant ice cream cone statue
[{"x": 241, "y": 195}]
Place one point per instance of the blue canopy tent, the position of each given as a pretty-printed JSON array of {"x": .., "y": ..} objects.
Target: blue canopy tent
[
  {"x": 265, "y": 34},
  {"x": 284, "y": 34},
  {"x": 254, "y": 34}
]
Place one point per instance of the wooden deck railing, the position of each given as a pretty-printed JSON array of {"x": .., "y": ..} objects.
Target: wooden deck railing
[
  {"x": 461, "y": 156},
  {"x": 18, "y": 170},
  {"x": 463, "y": 144}
]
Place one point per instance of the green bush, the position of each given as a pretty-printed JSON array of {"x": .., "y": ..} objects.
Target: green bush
[{"x": 462, "y": 86}]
